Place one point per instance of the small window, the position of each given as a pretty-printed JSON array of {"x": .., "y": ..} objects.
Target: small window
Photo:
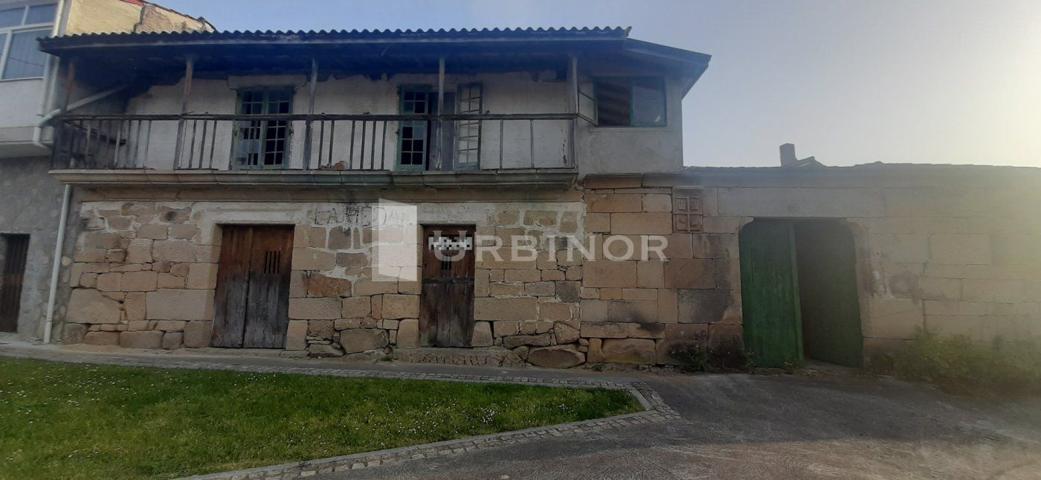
[
  {"x": 11, "y": 17},
  {"x": 630, "y": 101},
  {"x": 41, "y": 14},
  {"x": 687, "y": 214},
  {"x": 24, "y": 59}
]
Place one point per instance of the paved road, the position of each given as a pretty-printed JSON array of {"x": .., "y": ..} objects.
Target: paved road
[
  {"x": 742, "y": 426},
  {"x": 734, "y": 426}
]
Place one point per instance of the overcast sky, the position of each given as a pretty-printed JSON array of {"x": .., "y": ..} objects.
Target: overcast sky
[{"x": 937, "y": 81}]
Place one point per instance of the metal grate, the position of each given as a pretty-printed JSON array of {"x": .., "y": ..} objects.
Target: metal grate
[
  {"x": 272, "y": 262},
  {"x": 15, "y": 252}
]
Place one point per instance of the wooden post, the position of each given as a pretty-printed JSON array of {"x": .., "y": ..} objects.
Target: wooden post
[
  {"x": 189, "y": 72},
  {"x": 59, "y": 130},
  {"x": 573, "y": 82},
  {"x": 70, "y": 83},
  {"x": 312, "y": 89},
  {"x": 576, "y": 104},
  {"x": 440, "y": 109}
]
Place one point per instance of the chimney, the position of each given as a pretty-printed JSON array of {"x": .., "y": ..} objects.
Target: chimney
[{"x": 788, "y": 158}]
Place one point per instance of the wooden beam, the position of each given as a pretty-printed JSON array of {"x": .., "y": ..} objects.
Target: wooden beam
[
  {"x": 573, "y": 79},
  {"x": 189, "y": 72},
  {"x": 440, "y": 110},
  {"x": 312, "y": 90},
  {"x": 70, "y": 84},
  {"x": 312, "y": 87}
]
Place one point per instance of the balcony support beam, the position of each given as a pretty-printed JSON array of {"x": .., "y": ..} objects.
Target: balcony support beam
[
  {"x": 312, "y": 89},
  {"x": 189, "y": 73},
  {"x": 440, "y": 146},
  {"x": 574, "y": 108}
]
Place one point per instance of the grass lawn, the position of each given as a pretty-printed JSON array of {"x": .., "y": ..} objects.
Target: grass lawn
[{"x": 93, "y": 421}]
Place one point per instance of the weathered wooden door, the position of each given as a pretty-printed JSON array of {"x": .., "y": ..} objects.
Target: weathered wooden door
[
  {"x": 446, "y": 317},
  {"x": 16, "y": 249},
  {"x": 829, "y": 302},
  {"x": 252, "y": 299},
  {"x": 769, "y": 294}
]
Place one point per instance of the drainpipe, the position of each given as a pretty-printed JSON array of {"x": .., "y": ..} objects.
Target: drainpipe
[{"x": 52, "y": 294}]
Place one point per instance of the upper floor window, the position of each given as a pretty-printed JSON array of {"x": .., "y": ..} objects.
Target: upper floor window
[
  {"x": 630, "y": 101},
  {"x": 263, "y": 143},
  {"x": 20, "y": 27}
]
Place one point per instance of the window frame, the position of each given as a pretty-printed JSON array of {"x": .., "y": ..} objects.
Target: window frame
[
  {"x": 657, "y": 79},
  {"x": 426, "y": 90},
  {"x": 266, "y": 90},
  {"x": 5, "y": 47},
  {"x": 688, "y": 210}
]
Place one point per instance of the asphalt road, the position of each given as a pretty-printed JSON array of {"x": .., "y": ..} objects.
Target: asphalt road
[{"x": 752, "y": 426}]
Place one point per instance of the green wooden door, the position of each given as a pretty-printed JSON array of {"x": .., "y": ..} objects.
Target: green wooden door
[
  {"x": 828, "y": 293},
  {"x": 770, "y": 299}
]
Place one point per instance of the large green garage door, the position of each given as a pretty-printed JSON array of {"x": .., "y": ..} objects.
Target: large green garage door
[
  {"x": 769, "y": 299},
  {"x": 799, "y": 293}
]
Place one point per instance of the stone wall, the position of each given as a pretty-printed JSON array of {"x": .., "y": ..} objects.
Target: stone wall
[
  {"x": 144, "y": 275},
  {"x": 655, "y": 310},
  {"x": 949, "y": 249}
]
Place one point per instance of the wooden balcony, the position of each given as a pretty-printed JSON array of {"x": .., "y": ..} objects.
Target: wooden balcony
[{"x": 347, "y": 149}]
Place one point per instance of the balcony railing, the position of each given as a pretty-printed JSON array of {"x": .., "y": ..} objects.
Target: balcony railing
[{"x": 316, "y": 142}]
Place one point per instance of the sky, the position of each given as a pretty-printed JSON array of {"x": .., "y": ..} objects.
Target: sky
[{"x": 849, "y": 82}]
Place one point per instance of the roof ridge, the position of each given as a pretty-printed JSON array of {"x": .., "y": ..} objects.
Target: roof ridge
[{"x": 605, "y": 30}]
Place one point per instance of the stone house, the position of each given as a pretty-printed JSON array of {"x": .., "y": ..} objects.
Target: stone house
[
  {"x": 30, "y": 90},
  {"x": 493, "y": 197}
]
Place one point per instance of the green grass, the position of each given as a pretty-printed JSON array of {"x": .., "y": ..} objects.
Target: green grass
[
  {"x": 90, "y": 421},
  {"x": 958, "y": 364}
]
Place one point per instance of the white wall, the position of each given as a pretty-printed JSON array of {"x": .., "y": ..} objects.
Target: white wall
[
  {"x": 599, "y": 149},
  {"x": 503, "y": 93}
]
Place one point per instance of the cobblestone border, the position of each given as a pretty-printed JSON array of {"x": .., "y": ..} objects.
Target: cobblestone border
[{"x": 655, "y": 411}]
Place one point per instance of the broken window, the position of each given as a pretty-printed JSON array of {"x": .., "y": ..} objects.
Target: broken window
[
  {"x": 448, "y": 145},
  {"x": 630, "y": 101},
  {"x": 263, "y": 143},
  {"x": 20, "y": 27},
  {"x": 687, "y": 214},
  {"x": 414, "y": 135}
]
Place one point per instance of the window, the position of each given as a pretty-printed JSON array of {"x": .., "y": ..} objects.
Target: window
[
  {"x": 687, "y": 214},
  {"x": 263, "y": 143},
  {"x": 20, "y": 27},
  {"x": 414, "y": 135},
  {"x": 630, "y": 101}
]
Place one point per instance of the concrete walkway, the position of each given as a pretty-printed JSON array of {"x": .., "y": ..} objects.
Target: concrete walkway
[{"x": 729, "y": 426}]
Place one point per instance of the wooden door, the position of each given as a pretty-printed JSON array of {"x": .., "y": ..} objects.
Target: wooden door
[
  {"x": 252, "y": 298},
  {"x": 16, "y": 250},
  {"x": 769, "y": 294},
  {"x": 829, "y": 302},
  {"x": 446, "y": 317}
]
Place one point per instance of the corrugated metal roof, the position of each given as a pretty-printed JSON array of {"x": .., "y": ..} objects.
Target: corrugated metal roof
[{"x": 453, "y": 33}]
